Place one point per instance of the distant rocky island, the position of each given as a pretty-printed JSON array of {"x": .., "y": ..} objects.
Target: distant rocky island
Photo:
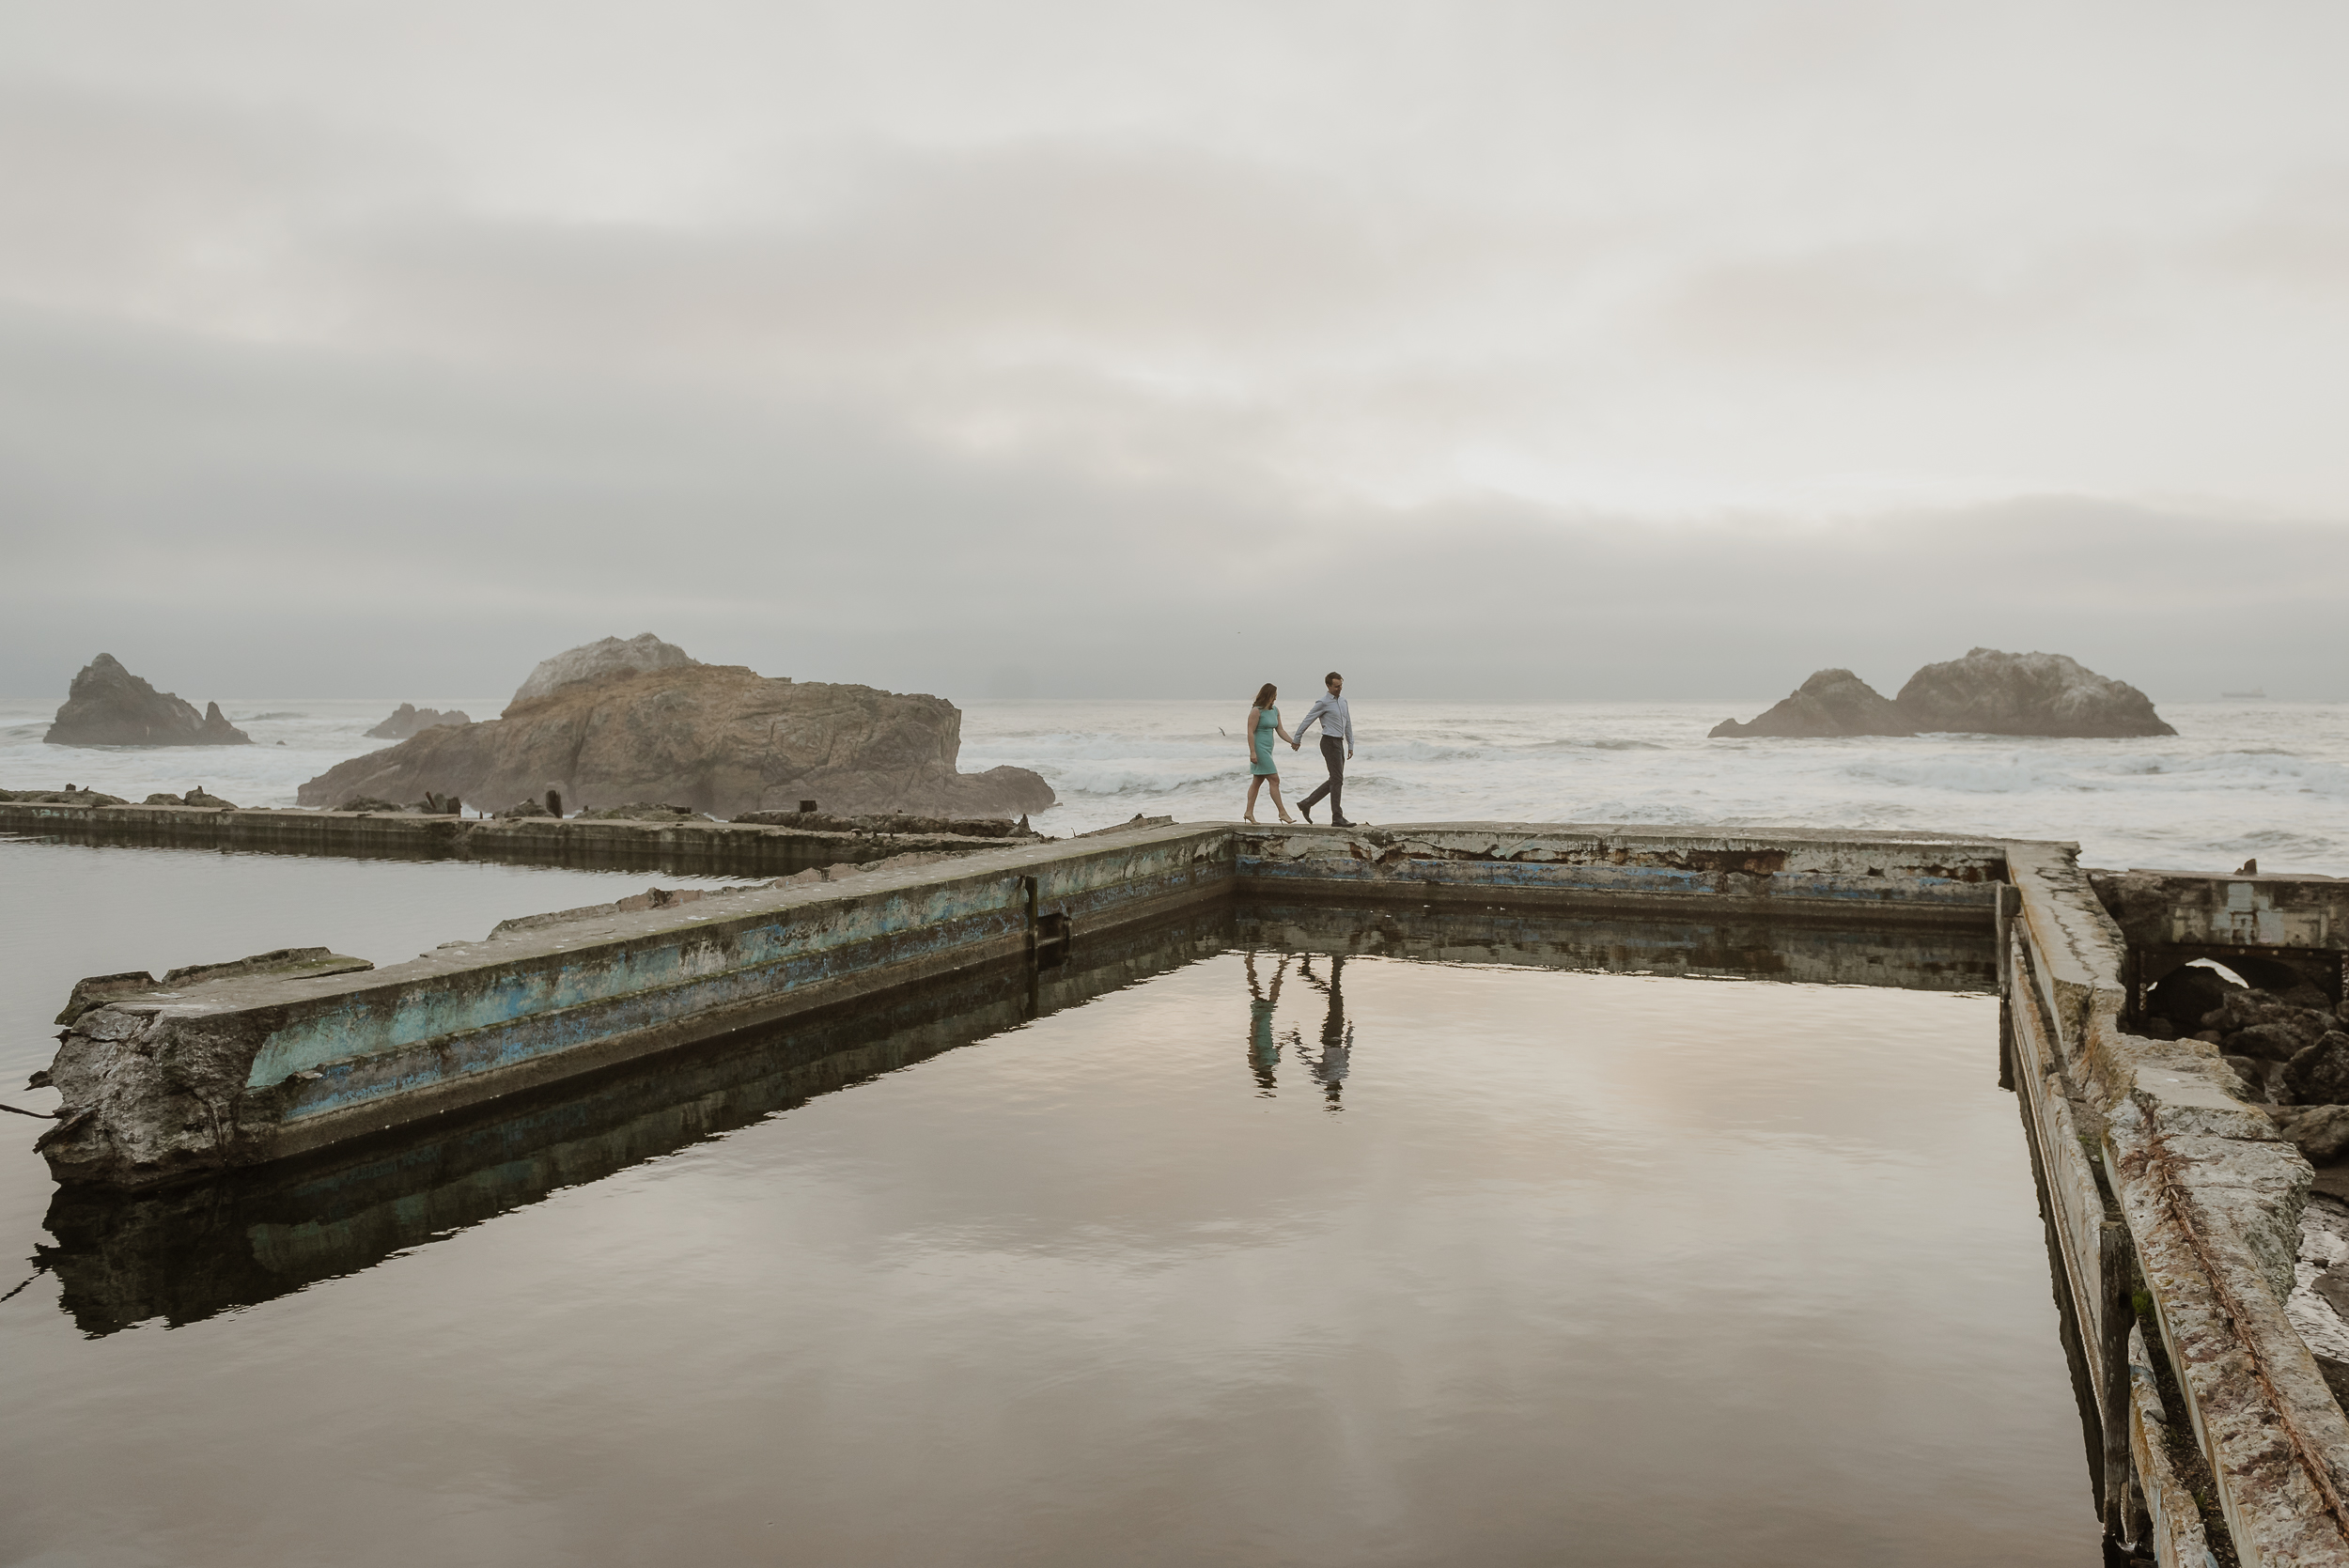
[
  {"x": 108, "y": 705},
  {"x": 620, "y": 722},
  {"x": 408, "y": 719},
  {"x": 1987, "y": 692}
]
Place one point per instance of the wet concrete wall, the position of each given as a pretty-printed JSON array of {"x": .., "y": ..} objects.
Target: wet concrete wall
[
  {"x": 170, "y": 1080},
  {"x": 2158, "y": 1179},
  {"x": 680, "y": 849},
  {"x": 2167, "y": 1191},
  {"x": 1787, "y": 873}
]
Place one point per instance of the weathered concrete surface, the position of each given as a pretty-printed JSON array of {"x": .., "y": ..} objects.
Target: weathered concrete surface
[
  {"x": 2211, "y": 1200},
  {"x": 720, "y": 848},
  {"x": 1787, "y": 873},
  {"x": 230, "y": 1072},
  {"x": 1934, "y": 957},
  {"x": 186, "y": 1251},
  {"x": 2297, "y": 927}
]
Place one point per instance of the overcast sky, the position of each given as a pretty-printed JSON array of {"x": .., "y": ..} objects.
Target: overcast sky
[{"x": 1084, "y": 349}]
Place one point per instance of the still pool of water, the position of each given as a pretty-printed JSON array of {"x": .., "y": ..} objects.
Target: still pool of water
[{"x": 1207, "y": 1248}]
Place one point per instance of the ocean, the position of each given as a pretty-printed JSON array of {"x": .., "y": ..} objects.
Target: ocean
[{"x": 2241, "y": 779}]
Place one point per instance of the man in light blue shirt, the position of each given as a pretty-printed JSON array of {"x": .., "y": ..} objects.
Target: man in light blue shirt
[{"x": 1337, "y": 747}]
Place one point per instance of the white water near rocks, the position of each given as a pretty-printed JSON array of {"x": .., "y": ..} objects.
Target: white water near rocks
[{"x": 2241, "y": 779}]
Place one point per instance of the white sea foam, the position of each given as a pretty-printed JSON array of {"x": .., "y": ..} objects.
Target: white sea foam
[{"x": 2267, "y": 779}]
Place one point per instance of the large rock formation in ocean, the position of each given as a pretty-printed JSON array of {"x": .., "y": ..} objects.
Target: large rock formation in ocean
[
  {"x": 595, "y": 660},
  {"x": 407, "y": 718},
  {"x": 108, "y": 705},
  {"x": 1989, "y": 693},
  {"x": 718, "y": 739},
  {"x": 1831, "y": 702}
]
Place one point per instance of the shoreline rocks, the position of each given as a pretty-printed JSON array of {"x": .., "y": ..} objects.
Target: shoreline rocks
[
  {"x": 604, "y": 732},
  {"x": 108, "y": 705},
  {"x": 1987, "y": 692}
]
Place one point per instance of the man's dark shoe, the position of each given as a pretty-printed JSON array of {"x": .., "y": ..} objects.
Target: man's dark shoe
[
  {"x": 1305, "y": 811},
  {"x": 1340, "y": 822}
]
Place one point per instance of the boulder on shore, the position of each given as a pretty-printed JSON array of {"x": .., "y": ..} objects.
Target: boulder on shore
[
  {"x": 712, "y": 737},
  {"x": 1831, "y": 702},
  {"x": 108, "y": 705},
  {"x": 1989, "y": 693},
  {"x": 408, "y": 719}
]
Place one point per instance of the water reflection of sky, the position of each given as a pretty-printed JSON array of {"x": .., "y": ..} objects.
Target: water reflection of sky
[{"x": 1632, "y": 1265}]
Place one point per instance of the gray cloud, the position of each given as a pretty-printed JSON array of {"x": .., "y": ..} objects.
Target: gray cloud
[{"x": 1566, "y": 349}]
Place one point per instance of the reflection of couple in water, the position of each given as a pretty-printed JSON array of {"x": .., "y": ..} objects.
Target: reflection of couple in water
[{"x": 1328, "y": 1065}]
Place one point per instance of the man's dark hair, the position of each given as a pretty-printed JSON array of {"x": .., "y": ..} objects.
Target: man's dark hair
[{"x": 1330, "y": 676}]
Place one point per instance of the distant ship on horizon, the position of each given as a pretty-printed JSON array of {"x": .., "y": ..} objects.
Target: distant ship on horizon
[{"x": 2255, "y": 691}]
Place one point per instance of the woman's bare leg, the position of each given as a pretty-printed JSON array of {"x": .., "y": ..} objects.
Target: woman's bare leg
[
  {"x": 1274, "y": 780},
  {"x": 1256, "y": 783}
]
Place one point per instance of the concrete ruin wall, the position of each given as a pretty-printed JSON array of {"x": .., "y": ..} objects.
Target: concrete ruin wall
[
  {"x": 725, "y": 849},
  {"x": 2155, "y": 1170},
  {"x": 2151, "y": 1166}
]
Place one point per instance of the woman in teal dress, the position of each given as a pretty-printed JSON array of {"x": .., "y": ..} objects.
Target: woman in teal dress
[{"x": 1264, "y": 723}]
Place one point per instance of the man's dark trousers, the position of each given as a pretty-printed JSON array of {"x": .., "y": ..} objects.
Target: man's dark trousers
[{"x": 1332, "y": 753}]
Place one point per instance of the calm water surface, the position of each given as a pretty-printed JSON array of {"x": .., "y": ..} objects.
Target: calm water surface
[{"x": 1235, "y": 1257}]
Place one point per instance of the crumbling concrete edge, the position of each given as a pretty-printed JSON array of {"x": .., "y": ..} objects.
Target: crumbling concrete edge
[{"x": 2212, "y": 1200}]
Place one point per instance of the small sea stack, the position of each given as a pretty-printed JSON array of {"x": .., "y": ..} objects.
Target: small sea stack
[
  {"x": 408, "y": 719},
  {"x": 108, "y": 705},
  {"x": 1831, "y": 702},
  {"x": 1987, "y": 692}
]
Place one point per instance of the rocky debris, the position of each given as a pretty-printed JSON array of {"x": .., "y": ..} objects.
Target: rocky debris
[
  {"x": 595, "y": 661},
  {"x": 162, "y": 800},
  {"x": 521, "y": 809},
  {"x": 1989, "y": 693},
  {"x": 2184, "y": 996},
  {"x": 369, "y": 803},
  {"x": 2256, "y": 1023},
  {"x": 2321, "y": 1132},
  {"x": 69, "y": 796},
  {"x": 716, "y": 739},
  {"x": 98, "y": 991},
  {"x": 198, "y": 797},
  {"x": 145, "y": 1096},
  {"x": 1831, "y": 702},
  {"x": 826, "y": 822},
  {"x": 2319, "y": 1073},
  {"x": 407, "y": 718},
  {"x": 645, "y": 811},
  {"x": 108, "y": 705},
  {"x": 670, "y": 898}
]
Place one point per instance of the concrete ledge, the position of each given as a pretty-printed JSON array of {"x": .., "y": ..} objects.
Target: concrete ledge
[
  {"x": 720, "y": 849},
  {"x": 233, "y": 1071},
  {"x": 1788, "y": 873},
  {"x": 2211, "y": 1199}
]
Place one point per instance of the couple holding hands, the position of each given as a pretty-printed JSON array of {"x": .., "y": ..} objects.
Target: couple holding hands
[{"x": 1337, "y": 747}]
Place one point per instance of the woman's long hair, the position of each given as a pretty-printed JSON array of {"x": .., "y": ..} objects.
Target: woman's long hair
[{"x": 1265, "y": 694}]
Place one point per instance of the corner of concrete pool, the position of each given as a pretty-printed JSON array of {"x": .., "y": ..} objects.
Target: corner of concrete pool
[{"x": 2173, "y": 1208}]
